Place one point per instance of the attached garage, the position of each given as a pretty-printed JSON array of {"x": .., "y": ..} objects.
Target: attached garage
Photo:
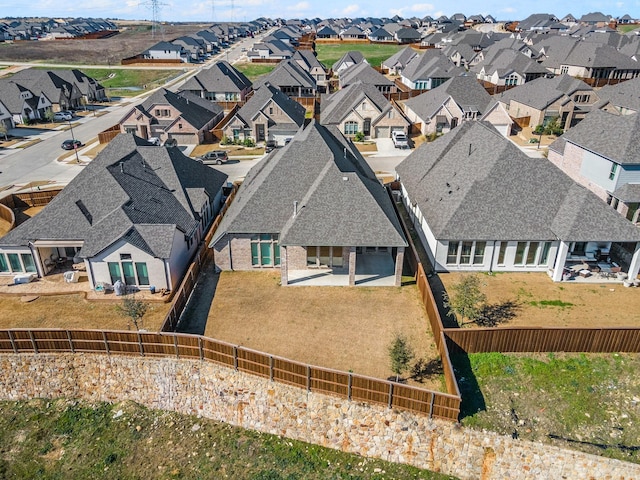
[
  {"x": 185, "y": 138},
  {"x": 382, "y": 132}
]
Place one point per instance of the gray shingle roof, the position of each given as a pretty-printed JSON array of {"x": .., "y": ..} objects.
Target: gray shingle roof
[
  {"x": 612, "y": 136},
  {"x": 193, "y": 113},
  {"x": 473, "y": 184},
  {"x": 628, "y": 193},
  {"x": 262, "y": 96},
  {"x": 465, "y": 91},
  {"x": 340, "y": 202},
  {"x": 131, "y": 189},
  {"x": 400, "y": 58},
  {"x": 222, "y": 77},
  {"x": 339, "y": 104},
  {"x": 349, "y": 57},
  {"x": 363, "y": 73},
  {"x": 287, "y": 74},
  {"x": 622, "y": 95},
  {"x": 431, "y": 64},
  {"x": 542, "y": 92}
]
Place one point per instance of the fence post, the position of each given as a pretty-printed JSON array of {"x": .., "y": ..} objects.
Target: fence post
[
  {"x": 235, "y": 357},
  {"x": 140, "y": 344},
  {"x": 433, "y": 398},
  {"x": 201, "y": 351},
  {"x": 390, "y": 395},
  {"x": 106, "y": 343},
  {"x": 175, "y": 344},
  {"x": 308, "y": 378},
  {"x": 33, "y": 341},
  {"x": 70, "y": 342},
  {"x": 13, "y": 343},
  {"x": 271, "y": 367},
  {"x": 349, "y": 383}
]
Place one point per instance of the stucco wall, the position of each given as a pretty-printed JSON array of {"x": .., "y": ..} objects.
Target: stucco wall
[{"x": 220, "y": 393}]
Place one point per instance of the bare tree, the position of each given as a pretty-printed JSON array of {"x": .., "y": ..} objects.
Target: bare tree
[{"x": 133, "y": 309}]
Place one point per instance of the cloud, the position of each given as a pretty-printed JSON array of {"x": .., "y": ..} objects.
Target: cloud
[
  {"x": 508, "y": 10},
  {"x": 413, "y": 10},
  {"x": 299, "y": 7},
  {"x": 350, "y": 10}
]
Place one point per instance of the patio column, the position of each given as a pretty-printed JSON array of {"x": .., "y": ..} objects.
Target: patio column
[
  {"x": 399, "y": 264},
  {"x": 284, "y": 277},
  {"x": 561, "y": 258},
  {"x": 352, "y": 266},
  {"x": 634, "y": 266}
]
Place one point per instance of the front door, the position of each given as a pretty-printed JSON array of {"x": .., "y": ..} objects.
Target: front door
[
  {"x": 144, "y": 132},
  {"x": 260, "y": 132},
  {"x": 367, "y": 127}
]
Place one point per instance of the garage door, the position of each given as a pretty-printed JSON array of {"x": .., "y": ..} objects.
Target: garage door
[
  {"x": 397, "y": 129},
  {"x": 382, "y": 132},
  {"x": 185, "y": 138}
]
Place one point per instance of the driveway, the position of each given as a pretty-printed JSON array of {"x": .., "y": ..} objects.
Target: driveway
[{"x": 386, "y": 149}]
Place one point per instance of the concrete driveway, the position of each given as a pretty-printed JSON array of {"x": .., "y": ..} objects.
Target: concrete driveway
[{"x": 386, "y": 149}]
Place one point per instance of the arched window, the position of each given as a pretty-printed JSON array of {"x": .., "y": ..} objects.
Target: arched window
[{"x": 350, "y": 128}]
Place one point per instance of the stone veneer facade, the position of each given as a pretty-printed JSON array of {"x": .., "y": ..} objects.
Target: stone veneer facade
[{"x": 223, "y": 394}]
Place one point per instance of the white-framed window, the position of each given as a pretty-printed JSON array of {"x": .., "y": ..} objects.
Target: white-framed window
[
  {"x": 466, "y": 252},
  {"x": 324, "y": 257},
  {"x": 17, "y": 263},
  {"x": 350, "y": 128},
  {"x": 265, "y": 250},
  {"x": 532, "y": 253},
  {"x": 129, "y": 272},
  {"x": 613, "y": 171}
]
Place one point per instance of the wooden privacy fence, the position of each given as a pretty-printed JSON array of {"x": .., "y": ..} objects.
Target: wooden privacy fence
[
  {"x": 109, "y": 134},
  {"x": 544, "y": 339},
  {"x": 204, "y": 255},
  {"x": 314, "y": 379}
]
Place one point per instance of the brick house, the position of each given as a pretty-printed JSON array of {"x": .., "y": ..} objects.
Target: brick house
[{"x": 313, "y": 208}]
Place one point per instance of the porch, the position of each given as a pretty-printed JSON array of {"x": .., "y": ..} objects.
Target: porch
[
  {"x": 594, "y": 271},
  {"x": 371, "y": 271}
]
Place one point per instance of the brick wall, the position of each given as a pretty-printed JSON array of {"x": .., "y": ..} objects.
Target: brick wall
[
  {"x": 222, "y": 394},
  {"x": 570, "y": 163}
]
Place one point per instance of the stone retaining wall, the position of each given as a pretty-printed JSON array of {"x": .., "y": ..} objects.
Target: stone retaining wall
[{"x": 220, "y": 393}]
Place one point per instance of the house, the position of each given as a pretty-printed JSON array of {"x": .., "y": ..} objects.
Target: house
[
  {"x": 22, "y": 103},
  {"x": 428, "y": 70},
  {"x": 136, "y": 213},
  {"x": 496, "y": 115},
  {"x": 167, "y": 51},
  {"x": 6, "y": 119},
  {"x": 347, "y": 60},
  {"x": 273, "y": 49},
  {"x": 352, "y": 33},
  {"x": 194, "y": 46},
  {"x": 327, "y": 33},
  {"x": 545, "y": 99},
  {"x": 221, "y": 82},
  {"x": 509, "y": 68},
  {"x": 381, "y": 35},
  {"x": 312, "y": 208},
  {"x": 268, "y": 115},
  {"x": 622, "y": 98},
  {"x": 184, "y": 118},
  {"x": 397, "y": 62},
  {"x": 598, "y": 19},
  {"x": 62, "y": 94},
  {"x": 364, "y": 73},
  {"x": 601, "y": 153},
  {"x": 89, "y": 88},
  {"x": 292, "y": 79},
  {"x": 458, "y": 100},
  {"x": 361, "y": 107},
  {"x": 310, "y": 63},
  {"x": 480, "y": 204},
  {"x": 407, "y": 35}
]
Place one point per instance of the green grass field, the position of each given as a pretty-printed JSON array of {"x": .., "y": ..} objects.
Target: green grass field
[
  {"x": 627, "y": 28},
  {"x": 589, "y": 402},
  {"x": 61, "y": 439},
  {"x": 374, "y": 53},
  {"x": 254, "y": 70}
]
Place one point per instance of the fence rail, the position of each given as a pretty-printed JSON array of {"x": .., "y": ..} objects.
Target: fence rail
[{"x": 313, "y": 379}]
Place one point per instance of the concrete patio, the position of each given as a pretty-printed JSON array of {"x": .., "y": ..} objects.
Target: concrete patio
[{"x": 371, "y": 271}]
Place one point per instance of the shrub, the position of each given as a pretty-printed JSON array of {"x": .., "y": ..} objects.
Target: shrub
[
  {"x": 248, "y": 142},
  {"x": 359, "y": 137}
]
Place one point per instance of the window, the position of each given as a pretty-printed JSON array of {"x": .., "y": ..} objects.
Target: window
[
  {"x": 364, "y": 105},
  {"x": 612, "y": 172},
  {"x": 125, "y": 256},
  {"x": 265, "y": 250},
  {"x": 129, "y": 275},
  {"x": 179, "y": 126},
  {"x": 4, "y": 266},
  {"x": 27, "y": 261},
  {"x": 324, "y": 257},
  {"x": 14, "y": 261},
  {"x": 350, "y": 128},
  {"x": 143, "y": 274},
  {"x": 162, "y": 112},
  {"x": 114, "y": 271},
  {"x": 531, "y": 253},
  {"x": 270, "y": 110},
  {"x": 564, "y": 69},
  {"x": 502, "y": 252},
  {"x": 131, "y": 129},
  {"x": 520, "y": 249},
  {"x": 511, "y": 80},
  {"x": 236, "y": 133},
  {"x": 544, "y": 256},
  {"x": 466, "y": 253}
]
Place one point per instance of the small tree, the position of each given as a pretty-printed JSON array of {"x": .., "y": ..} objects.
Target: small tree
[
  {"x": 3, "y": 130},
  {"x": 134, "y": 309},
  {"x": 400, "y": 354},
  {"x": 49, "y": 115},
  {"x": 468, "y": 300}
]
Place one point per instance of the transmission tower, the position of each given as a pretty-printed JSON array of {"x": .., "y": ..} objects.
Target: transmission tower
[{"x": 154, "y": 5}]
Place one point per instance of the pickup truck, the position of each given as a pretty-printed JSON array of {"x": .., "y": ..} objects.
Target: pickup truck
[{"x": 400, "y": 140}]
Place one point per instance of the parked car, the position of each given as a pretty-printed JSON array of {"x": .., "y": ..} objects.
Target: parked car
[
  {"x": 154, "y": 141},
  {"x": 400, "y": 140},
  {"x": 170, "y": 142},
  {"x": 71, "y": 144},
  {"x": 215, "y": 156},
  {"x": 270, "y": 146},
  {"x": 62, "y": 116}
]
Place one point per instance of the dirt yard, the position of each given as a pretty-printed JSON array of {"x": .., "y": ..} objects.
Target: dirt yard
[
  {"x": 348, "y": 329},
  {"x": 71, "y": 311},
  {"x": 544, "y": 303},
  {"x": 132, "y": 40}
]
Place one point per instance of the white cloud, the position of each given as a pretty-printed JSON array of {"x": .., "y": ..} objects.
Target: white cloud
[
  {"x": 421, "y": 8},
  {"x": 350, "y": 10},
  {"x": 508, "y": 10},
  {"x": 299, "y": 7}
]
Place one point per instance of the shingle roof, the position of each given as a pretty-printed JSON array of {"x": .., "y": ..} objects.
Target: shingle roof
[
  {"x": 473, "y": 184},
  {"x": 192, "y": 113},
  {"x": 628, "y": 193},
  {"x": 349, "y": 57},
  {"x": 622, "y": 95},
  {"x": 262, "y": 96},
  {"x": 543, "y": 92},
  {"x": 131, "y": 189},
  {"x": 465, "y": 91},
  {"x": 363, "y": 73},
  {"x": 287, "y": 74},
  {"x": 340, "y": 202},
  {"x": 431, "y": 64},
  {"x": 221, "y": 77},
  {"x": 339, "y": 104},
  {"x": 400, "y": 58},
  {"x": 612, "y": 136}
]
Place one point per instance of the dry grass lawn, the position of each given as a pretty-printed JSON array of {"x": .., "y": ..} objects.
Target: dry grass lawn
[
  {"x": 577, "y": 304},
  {"x": 335, "y": 327},
  {"x": 232, "y": 150},
  {"x": 71, "y": 312}
]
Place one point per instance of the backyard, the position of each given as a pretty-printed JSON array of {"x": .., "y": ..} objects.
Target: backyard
[
  {"x": 328, "y": 54},
  {"x": 541, "y": 302},
  {"x": 347, "y": 329}
]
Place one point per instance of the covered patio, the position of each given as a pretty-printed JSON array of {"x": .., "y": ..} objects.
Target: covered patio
[{"x": 370, "y": 271}]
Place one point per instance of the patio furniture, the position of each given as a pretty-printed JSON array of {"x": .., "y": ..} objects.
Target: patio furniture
[
  {"x": 585, "y": 273},
  {"x": 23, "y": 278}
]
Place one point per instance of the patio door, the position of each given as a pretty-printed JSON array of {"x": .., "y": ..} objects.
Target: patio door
[
  {"x": 129, "y": 274},
  {"x": 114, "y": 272}
]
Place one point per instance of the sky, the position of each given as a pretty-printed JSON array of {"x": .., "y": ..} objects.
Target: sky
[{"x": 246, "y": 10}]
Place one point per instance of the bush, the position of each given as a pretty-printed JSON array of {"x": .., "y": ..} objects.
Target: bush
[
  {"x": 248, "y": 142},
  {"x": 359, "y": 137},
  {"x": 225, "y": 141}
]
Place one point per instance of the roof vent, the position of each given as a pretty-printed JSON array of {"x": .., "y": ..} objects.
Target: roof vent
[{"x": 345, "y": 178}]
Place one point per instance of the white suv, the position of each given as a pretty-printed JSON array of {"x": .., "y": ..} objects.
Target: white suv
[
  {"x": 62, "y": 116},
  {"x": 400, "y": 140}
]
